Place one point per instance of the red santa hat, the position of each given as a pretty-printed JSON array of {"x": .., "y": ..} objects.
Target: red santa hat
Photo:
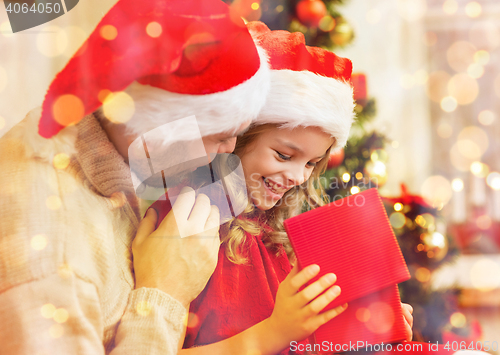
[
  {"x": 310, "y": 86},
  {"x": 191, "y": 56}
]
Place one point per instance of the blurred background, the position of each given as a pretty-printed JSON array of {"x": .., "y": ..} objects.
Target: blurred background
[{"x": 427, "y": 87}]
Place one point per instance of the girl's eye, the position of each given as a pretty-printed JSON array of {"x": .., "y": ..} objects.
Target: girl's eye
[
  {"x": 282, "y": 156},
  {"x": 311, "y": 164}
]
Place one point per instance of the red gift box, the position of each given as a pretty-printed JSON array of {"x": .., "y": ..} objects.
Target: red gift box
[{"x": 353, "y": 238}]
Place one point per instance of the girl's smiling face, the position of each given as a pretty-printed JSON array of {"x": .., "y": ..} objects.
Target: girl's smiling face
[{"x": 280, "y": 159}]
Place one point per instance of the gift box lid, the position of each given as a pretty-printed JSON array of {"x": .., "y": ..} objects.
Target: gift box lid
[{"x": 352, "y": 238}]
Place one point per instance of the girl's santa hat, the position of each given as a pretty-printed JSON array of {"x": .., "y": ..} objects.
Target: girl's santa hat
[
  {"x": 310, "y": 86},
  {"x": 192, "y": 57}
]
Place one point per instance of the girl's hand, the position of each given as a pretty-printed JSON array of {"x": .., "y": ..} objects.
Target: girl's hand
[
  {"x": 407, "y": 314},
  {"x": 296, "y": 315}
]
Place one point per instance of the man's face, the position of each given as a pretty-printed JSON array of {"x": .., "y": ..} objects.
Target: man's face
[{"x": 213, "y": 144}]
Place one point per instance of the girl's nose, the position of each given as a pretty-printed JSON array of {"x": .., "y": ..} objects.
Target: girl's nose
[{"x": 295, "y": 175}]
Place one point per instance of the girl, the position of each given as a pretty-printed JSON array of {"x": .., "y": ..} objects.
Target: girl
[{"x": 254, "y": 301}]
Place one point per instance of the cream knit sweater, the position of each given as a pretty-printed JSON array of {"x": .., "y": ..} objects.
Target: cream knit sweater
[{"x": 68, "y": 216}]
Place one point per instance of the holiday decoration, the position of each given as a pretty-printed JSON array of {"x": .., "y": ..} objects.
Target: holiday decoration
[
  {"x": 422, "y": 236},
  {"x": 336, "y": 158},
  {"x": 310, "y": 12}
]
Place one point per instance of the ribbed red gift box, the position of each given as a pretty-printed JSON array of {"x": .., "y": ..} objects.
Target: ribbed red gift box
[{"x": 353, "y": 238}]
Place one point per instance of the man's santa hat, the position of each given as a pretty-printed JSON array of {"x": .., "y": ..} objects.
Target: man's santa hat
[
  {"x": 191, "y": 56},
  {"x": 310, "y": 86}
]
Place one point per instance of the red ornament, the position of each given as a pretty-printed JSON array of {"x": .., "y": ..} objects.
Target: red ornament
[
  {"x": 310, "y": 12},
  {"x": 359, "y": 84},
  {"x": 336, "y": 158}
]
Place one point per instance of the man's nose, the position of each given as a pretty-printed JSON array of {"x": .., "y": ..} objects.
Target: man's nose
[{"x": 227, "y": 146}]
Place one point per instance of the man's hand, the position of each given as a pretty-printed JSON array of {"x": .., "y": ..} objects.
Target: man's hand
[
  {"x": 178, "y": 266},
  {"x": 407, "y": 314}
]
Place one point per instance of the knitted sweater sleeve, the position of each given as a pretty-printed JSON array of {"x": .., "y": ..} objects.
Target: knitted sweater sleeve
[{"x": 65, "y": 280}]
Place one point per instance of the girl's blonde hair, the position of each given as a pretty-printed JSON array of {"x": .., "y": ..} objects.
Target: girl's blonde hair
[{"x": 308, "y": 195}]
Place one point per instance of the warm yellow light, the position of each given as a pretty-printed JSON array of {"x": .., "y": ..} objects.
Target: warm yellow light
[
  {"x": 457, "y": 184},
  {"x": 450, "y": 7},
  {"x": 473, "y": 9},
  {"x": 346, "y": 177},
  {"x": 61, "y": 161},
  {"x": 482, "y": 57},
  {"x": 422, "y": 274},
  {"x": 486, "y": 117},
  {"x": 359, "y": 175},
  {"x": 48, "y": 310},
  {"x": 475, "y": 70},
  {"x": 354, "y": 190},
  {"x": 397, "y": 220},
  {"x": 479, "y": 169},
  {"x": 493, "y": 180},
  {"x": 255, "y": 6},
  {"x": 398, "y": 206},
  {"x": 39, "y": 242},
  {"x": 61, "y": 315},
  {"x": 458, "y": 320},
  {"x": 108, "y": 32},
  {"x": 119, "y": 107},
  {"x": 463, "y": 88},
  {"x": 154, "y": 29},
  {"x": 449, "y": 104}
]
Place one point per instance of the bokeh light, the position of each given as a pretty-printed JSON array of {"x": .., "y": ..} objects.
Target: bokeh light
[
  {"x": 483, "y": 222},
  {"x": 61, "y": 315},
  {"x": 473, "y": 9},
  {"x": 154, "y": 29},
  {"x": 354, "y": 190},
  {"x": 52, "y": 41},
  {"x": 450, "y": 7},
  {"x": 56, "y": 331},
  {"x": 479, "y": 169},
  {"x": 143, "y": 308},
  {"x": 192, "y": 320},
  {"x": 397, "y": 220},
  {"x": 39, "y": 242},
  {"x": 458, "y": 320},
  {"x": 48, "y": 310},
  {"x": 482, "y": 57},
  {"x": 61, "y": 161},
  {"x": 3, "y": 79},
  {"x": 68, "y": 109},
  {"x": 485, "y": 34},
  {"x": 255, "y": 6},
  {"x": 457, "y": 184},
  {"x": 486, "y": 117},
  {"x": 437, "y": 85},
  {"x": 381, "y": 317},
  {"x": 444, "y": 130},
  {"x": 472, "y": 142},
  {"x": 436, "y": 190},
  {"x": 463, "y": 88},
  {"x": 493, "y": 180},
  {"x": 449, "y": 104},
  {"x": 460, "y": 55},
  {"x": 119, "y": 107},
  {"x": 485, "y": 275},
  {"x": 359, "y": 175},
  {"x": 108, "y": 32},
  {"x": 398, "y": 206},
  {"x": 422, "y": 274},
  {"x": 326, "y": 24},
  {"x": 363, "y": 314},
  {"x": 475, "y": 70},
  {"x": 346, "y": 177}
]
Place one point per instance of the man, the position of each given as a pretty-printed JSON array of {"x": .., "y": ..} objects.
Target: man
[{"x": 70, "y": 279}]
